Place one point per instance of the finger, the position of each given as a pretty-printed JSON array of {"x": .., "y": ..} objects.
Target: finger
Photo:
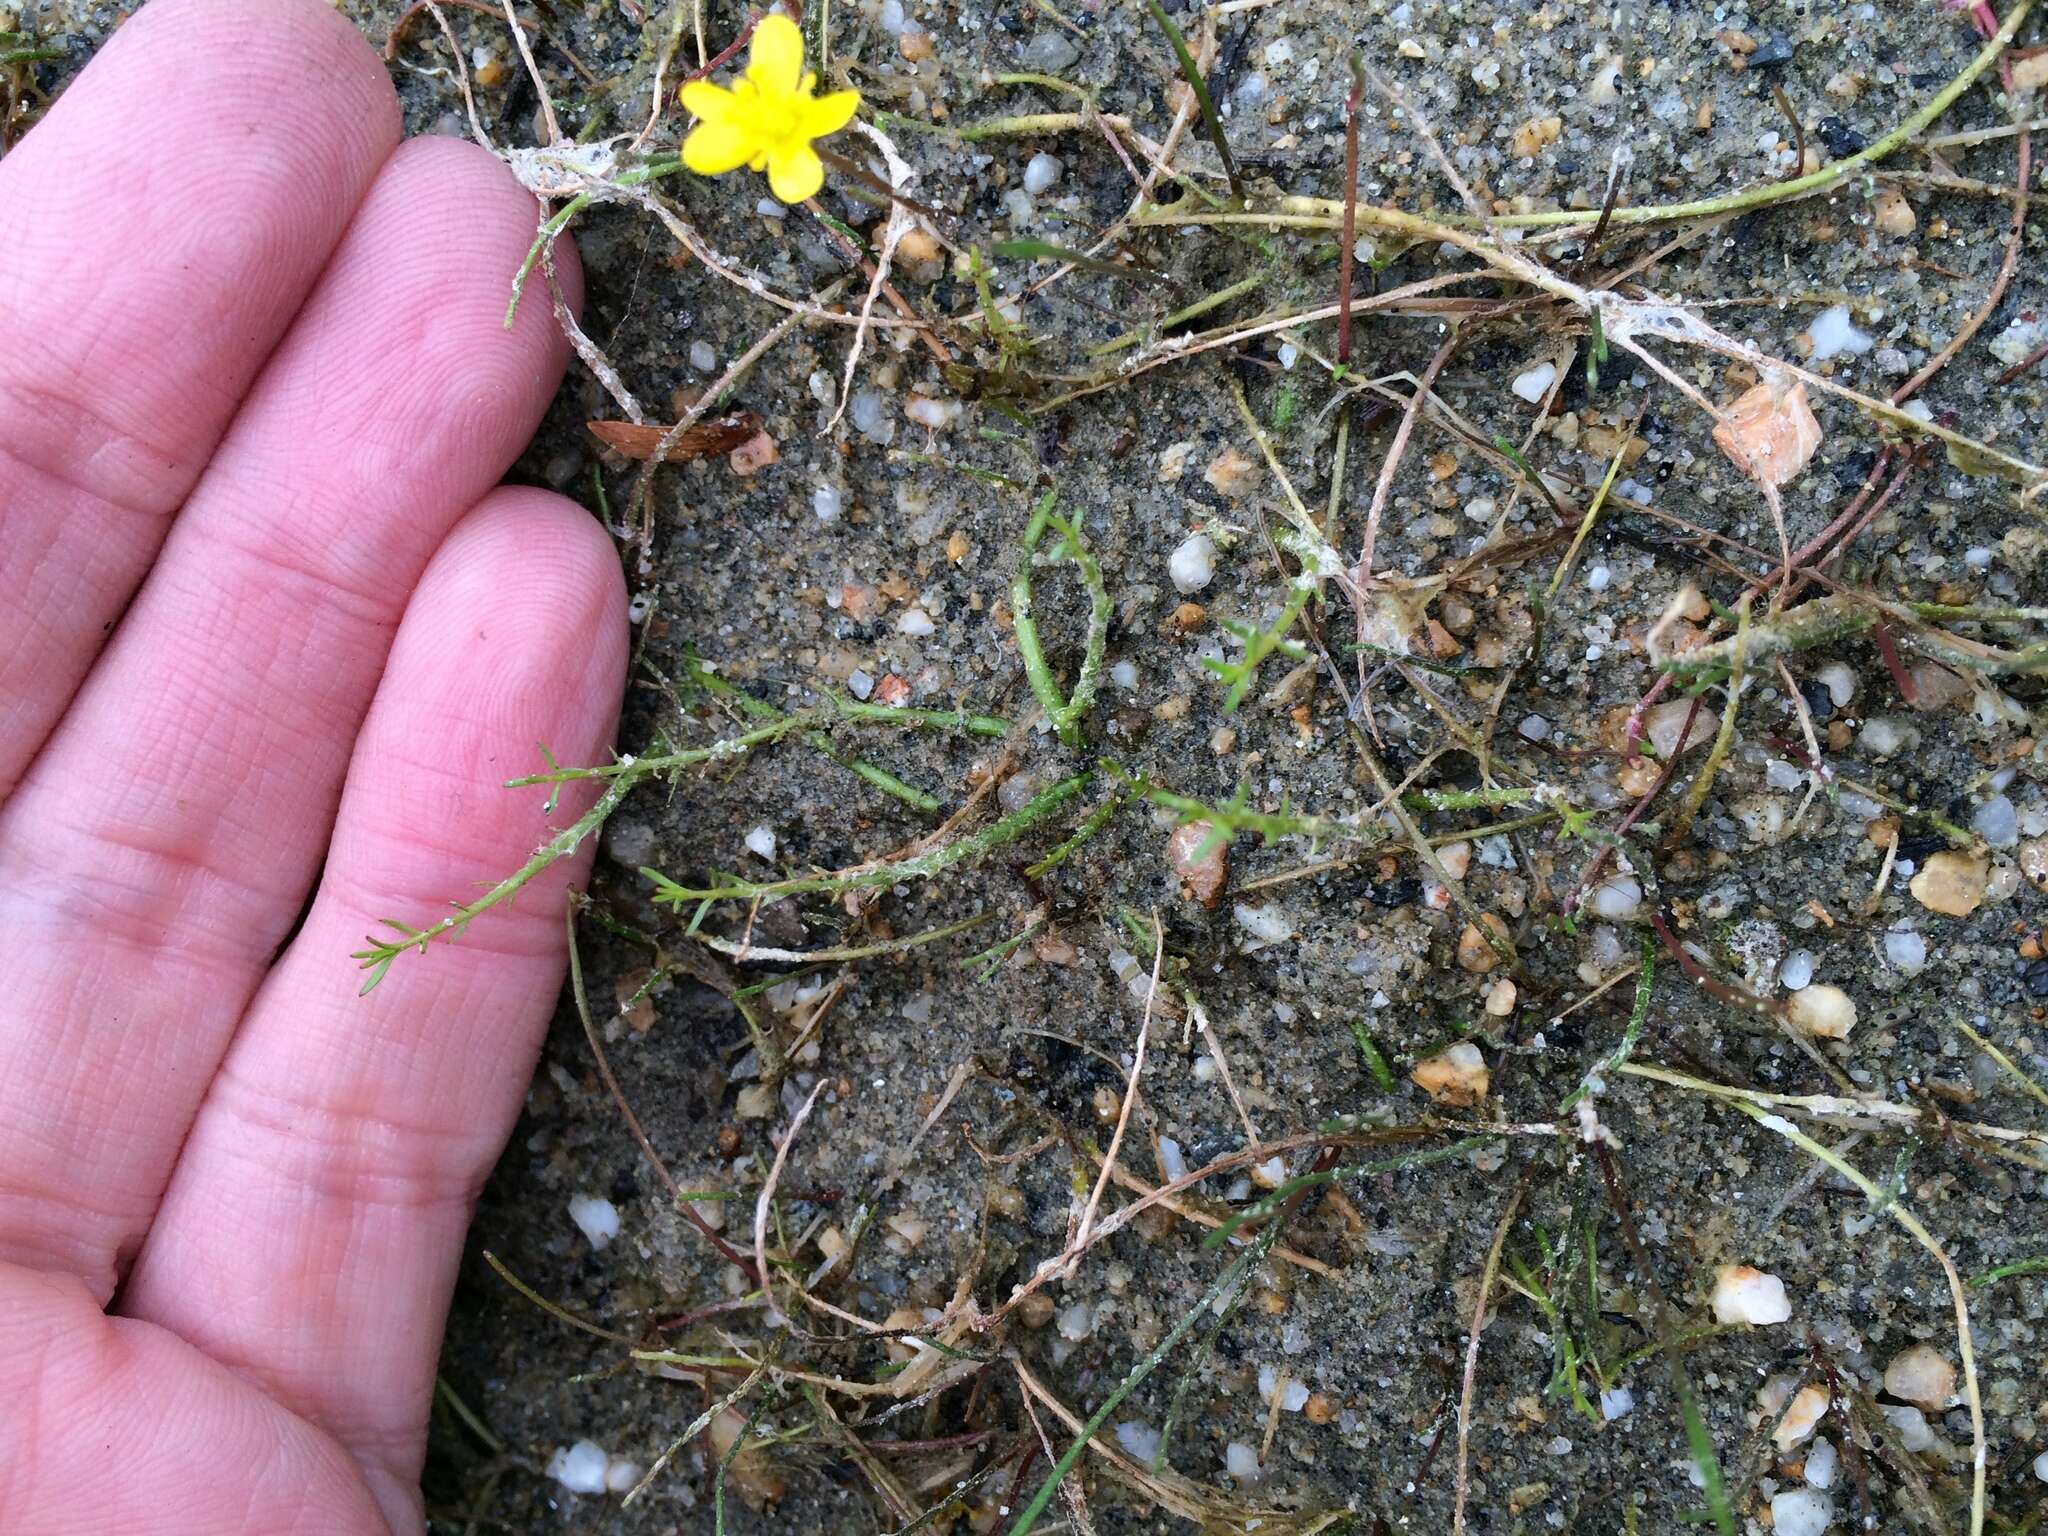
[
  {"x": 113, "y": 1426},
  {"x": 353, "y": 1133},
  {"x": 164, "y": 840},
  {"x": 162, "y": 225}
]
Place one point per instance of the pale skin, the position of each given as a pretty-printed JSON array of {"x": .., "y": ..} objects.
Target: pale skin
[{"x": 269, "y": 636}]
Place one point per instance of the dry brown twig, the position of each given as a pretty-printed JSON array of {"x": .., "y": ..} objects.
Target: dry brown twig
[
  {"x": 1471, "y": 1376},
  {"x": 765, "y": 1200}
]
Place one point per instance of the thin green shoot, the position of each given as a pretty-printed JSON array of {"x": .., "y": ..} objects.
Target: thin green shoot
[
  {"x": 1192, "y": 73},
  {"x": 1258, "y": 644},
  {"x": 1096, "y": 820},
  {"x": 1235, "y": 815},
  {"x": 1045, "y": 250},
  {"x": 2012, "y": 1271},
  {"x": 1199, "y": 307},
  {"x": 559, "y": 1313},
  {"x": 991, "y": 959},
  {"x": 377, "y": 958},
  {"x": 1706, "y": 1464},
  {"x": 1065, "y": 713},
  {"x": 1375, "y": 1062},
  {"x": 923, "y": 866},
  {"x": 1639, "y": 1011},
  {"x": 1593, "y": 507}
]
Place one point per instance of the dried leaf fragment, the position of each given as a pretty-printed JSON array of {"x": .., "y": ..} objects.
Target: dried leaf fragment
[
  {"x": 640, "y": 440},
  {"x": 1770, "y": 433},
  {"x": 1202, "y": 875}
]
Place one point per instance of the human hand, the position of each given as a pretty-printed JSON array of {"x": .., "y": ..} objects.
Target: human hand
[{"x": 263, "y": 622}]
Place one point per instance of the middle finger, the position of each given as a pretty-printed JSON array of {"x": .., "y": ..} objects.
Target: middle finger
[{"x": 165, "y": 838}]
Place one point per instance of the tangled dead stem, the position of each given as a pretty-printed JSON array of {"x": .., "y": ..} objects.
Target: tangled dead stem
[{"x": 1293, "y": 862}]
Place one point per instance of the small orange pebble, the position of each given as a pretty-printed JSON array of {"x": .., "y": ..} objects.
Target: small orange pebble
[
  {"x": 857, "y": 601},
  {"x": 754, "y": 455},
  {"x": 1457, "y": 1076}
]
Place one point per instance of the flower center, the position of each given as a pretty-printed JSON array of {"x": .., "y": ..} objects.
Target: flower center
[{"x": 777, "y": 116}]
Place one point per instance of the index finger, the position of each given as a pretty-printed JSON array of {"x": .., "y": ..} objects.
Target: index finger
[{"x": 161, "y": 226}]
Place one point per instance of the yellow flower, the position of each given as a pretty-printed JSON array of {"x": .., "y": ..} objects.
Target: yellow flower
[{"x": 769, "y": 118}]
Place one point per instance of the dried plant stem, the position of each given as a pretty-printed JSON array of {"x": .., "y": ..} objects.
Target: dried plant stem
[
  {"x": 765, "y": 1200},
  {"x": 1130, "y": 1100},
  {"x": 1471, "y": 1377},
  {"x": 2023, "y": 176},
  {"x": 1383, "y": 488},
  {"x": 1350, "y": 238},
  {"x": 611, "y": 1083},
  {"x": 696, "y": 1427}
]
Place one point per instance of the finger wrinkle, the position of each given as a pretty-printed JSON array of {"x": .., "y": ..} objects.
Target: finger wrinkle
[
  {"x": 75, "y": 450},
  {"x": 132, "y": 883},
  {"x": 339, "y": 1152}
]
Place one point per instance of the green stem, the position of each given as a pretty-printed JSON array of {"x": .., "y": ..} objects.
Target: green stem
[
  {"x": 630, "y": 768},
  {"x": 1064, "y": 713},
  {"x": 1327, "y": 212},
  {"x": 1193, "y": 75},
  {"x": 923, "y": 867},
  {"x": 942, "y": 719},
  {"x": 1638, "y": 1013},
  {"x": 377, "y": 959},
  {"x": 1200, "y": 307},
  {"x": 1097, "y": 820}
]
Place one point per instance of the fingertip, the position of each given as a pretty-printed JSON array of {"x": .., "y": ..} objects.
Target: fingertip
[
  {"x": 515, "y": 640},
  {"x": 529, "y": 564},
  {"x": 303, "y": 46},
  {"x": 459, "y": 183}
]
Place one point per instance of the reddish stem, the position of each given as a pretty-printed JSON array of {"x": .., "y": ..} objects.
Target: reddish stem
[
  {"x": 1350, "y": 217},
  {"x": 1901, "y": 678},
  {"x": 726, "y": 54},
  {"x": 2023, "y": 364}
]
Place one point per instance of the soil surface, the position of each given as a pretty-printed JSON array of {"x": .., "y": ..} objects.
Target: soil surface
[{"x": 959, "y": 1107}]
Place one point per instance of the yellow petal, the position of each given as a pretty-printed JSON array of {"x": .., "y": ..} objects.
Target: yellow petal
[
  {"x": 795, "y": 174},
  {"x": 776, "y": 61},
  {"x": 712, "y": 103},
  {"x": 713, "y": 148},
  {"x": 829, "y": 114}
]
